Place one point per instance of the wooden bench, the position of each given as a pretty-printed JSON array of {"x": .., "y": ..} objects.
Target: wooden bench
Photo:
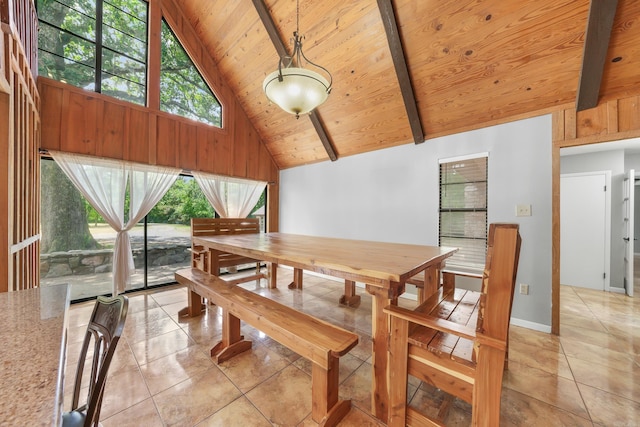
[
  {"x": 457, "y": 340},
  {"x": 202, "y": 259},
  {"x": 320, "y": 342}
]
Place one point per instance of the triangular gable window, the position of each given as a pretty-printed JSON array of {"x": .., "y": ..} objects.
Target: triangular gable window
[{"x": 183, "y": 91}]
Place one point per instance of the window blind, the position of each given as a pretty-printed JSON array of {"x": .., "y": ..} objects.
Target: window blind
[{"x": 463, "y": 210}]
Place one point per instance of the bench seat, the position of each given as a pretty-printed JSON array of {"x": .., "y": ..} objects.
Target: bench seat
[{"x": 316, "y": 340}]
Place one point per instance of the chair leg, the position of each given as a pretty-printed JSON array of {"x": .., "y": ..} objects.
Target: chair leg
[
  {"x": 398, "y": 353},
  {"x": 486, "y": 393}
]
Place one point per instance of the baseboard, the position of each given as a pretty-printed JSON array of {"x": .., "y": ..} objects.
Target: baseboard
[
  {"x": 616, "y": 290},
  {"x": 531, "y": 325}
]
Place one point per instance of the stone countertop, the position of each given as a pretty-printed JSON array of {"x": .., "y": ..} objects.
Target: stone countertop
[{"x": 33, "y": 334}]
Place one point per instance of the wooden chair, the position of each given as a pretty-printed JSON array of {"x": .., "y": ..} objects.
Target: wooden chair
[
  {"x": 457, "y": 340},
  {"x": 104, "y": 330}
]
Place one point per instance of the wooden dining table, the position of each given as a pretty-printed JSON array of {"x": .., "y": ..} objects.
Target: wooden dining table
[{"x": 383, "y": 267}]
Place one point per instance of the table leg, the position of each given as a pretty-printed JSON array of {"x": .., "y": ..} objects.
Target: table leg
[
  {"x": 380, "y": 335},
  {"x": 297, "y": 279},
  {"x": 350, "y": 298},
  {"x": 431, "y": 281},
  {"x": 273, "y": 275}
]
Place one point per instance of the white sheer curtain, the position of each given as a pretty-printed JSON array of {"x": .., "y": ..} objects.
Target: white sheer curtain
[
  {"x": 103, "y": 182},
  {"x": 230, "y": 197}
]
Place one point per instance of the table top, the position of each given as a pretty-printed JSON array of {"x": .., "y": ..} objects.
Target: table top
[
  {"x": 375, "y": 263},
  {"x": 32, "y": 355}
]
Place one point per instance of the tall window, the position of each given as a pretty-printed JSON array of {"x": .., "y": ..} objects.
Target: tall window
[
  {"x": 183, "y": 91},
  {"x": 463, "y": 209},
  {"x": 98, "y": 45}
]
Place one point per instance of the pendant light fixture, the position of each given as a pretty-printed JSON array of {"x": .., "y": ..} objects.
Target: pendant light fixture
[{"x": 295, "y": 89}]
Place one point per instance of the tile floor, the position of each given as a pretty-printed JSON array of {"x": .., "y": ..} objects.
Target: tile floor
[{"x": 162, "y": 374}]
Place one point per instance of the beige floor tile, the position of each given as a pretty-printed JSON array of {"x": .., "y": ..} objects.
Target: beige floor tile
[
  {"x": 140, "y": 414},
  {"x": 161, "y": 374},
  {"x": 160, "y": 346},
  {"x": 252, "y": 367},
  {"x": 608, "y": 409},
  {"x": 552, "y": 389},
  {"x": 591, "y": 353},
  {"x": 138, "y": 319},
  {"x": 285, "y": 398},
  {"x": 239, "y": 413},
  {"x": 622, "y": 382},
  {"x": 195, "y": 399},
  {"x": 357, "y": 387},
  {"x": 142, "y": 302},
  {"x": 521, "y": 410},
  {"x": 150, "y": 329},
  {"x": 124, "y": 389},
  {"x": 550, "y": 361}
]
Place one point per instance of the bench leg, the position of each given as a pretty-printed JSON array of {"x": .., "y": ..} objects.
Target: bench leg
[
  {"x": 297, "y": 279},
  {"x": 350, "y": 298},
  {"x": 195, "y": 306},
  {"x": 232, "y": 342},
  {"x": 327, "y": 410}
]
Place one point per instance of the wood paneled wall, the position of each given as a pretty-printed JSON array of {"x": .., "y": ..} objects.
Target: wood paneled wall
[
  {"x": 82, "y": 122},
  {"x": 19, "y": 140},
  {"x": 610, "y": 121}
]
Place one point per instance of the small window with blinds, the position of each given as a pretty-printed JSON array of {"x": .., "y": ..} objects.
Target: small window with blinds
[{"x": 463, "y": 209}]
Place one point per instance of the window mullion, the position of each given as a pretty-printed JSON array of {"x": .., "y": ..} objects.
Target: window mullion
[{"x": 99, "y": 14}]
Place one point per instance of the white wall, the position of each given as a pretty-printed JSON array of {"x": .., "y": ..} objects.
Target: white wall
[
  {"x": 633, "y": 162},
  {"x": 392, "y": 195},
  {"x": 606, "y": 161}
]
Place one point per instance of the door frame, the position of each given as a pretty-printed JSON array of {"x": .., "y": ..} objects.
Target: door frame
[{"x": 607, "y": 220}]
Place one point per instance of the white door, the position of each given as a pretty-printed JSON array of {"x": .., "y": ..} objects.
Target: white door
[
  {"x": 628, "y": 209},
  {"x": 583, "y": 230}
]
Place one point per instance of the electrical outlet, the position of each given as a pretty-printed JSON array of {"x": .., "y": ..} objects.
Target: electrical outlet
[
  {"x": 523, "y": 210},
  {"x": 524, "y": 289}
]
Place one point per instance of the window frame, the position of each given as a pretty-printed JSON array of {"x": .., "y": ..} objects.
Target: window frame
[{"x": 99, "y": 46}]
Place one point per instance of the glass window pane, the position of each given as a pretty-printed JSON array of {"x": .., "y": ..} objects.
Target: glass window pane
[
  {"x": 77, "y": 244},
  {"x": 133, "y": 25},
  {"x": 463, "y": 210},
  {"x": 183, "y": 91},
  {"x": 169, "y": 229},
  {"x": 120, "y": 42},
  {"x": 78, "y": 19}
]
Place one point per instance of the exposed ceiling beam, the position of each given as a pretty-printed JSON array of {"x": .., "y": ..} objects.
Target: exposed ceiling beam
[
  {"x": 270, "y": 26},
  {"x": 397, "y": 53},
  {"x": 596, "y": 44}
]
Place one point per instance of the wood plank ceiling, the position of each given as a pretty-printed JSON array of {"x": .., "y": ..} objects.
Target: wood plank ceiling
[{"x": 471, "y": 63}]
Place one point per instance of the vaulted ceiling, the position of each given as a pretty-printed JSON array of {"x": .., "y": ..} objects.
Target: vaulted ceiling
[{"x": 471, "y": 63}]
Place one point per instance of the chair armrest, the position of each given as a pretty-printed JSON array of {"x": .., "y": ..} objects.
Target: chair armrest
[
  {"x": 441, "y": 325},
  {"x": 445, "y": 326}
]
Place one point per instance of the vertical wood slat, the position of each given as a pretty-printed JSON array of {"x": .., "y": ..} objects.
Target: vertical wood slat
[{"x": 19, "y": 139}]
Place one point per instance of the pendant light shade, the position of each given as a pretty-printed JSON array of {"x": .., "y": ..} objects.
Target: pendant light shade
[{"x": 295, "y": 89}]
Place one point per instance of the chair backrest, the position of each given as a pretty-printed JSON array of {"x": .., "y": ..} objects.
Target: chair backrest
[
  {"x": 217, "y": 226},
  {"x": 498, "y": 281},
  {"x": 104, "y": 330}
]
